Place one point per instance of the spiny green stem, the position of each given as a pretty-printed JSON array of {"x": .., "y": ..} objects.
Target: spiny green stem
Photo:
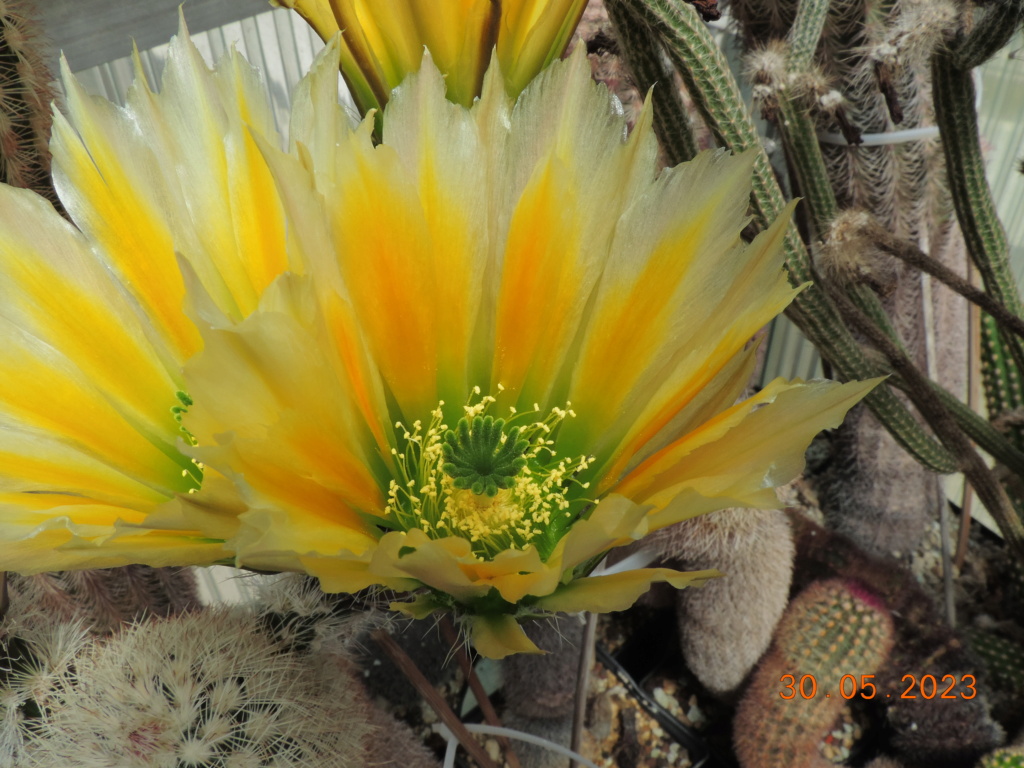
[
  {"x": 979, "y": 429},
  {"x": 993, "y": 31},
  {"x": 984, "y": 235},
  {"x": 805, "y": 33},
  {"x": 804, "y": 153},
  {"x": 642, "y": 54}
]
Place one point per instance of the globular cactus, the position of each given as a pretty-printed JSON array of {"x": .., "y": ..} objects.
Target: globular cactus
[
  {"x": 832, "y": 630},
  {"x": 1003, "y": 758},
  {"x": 946, "y": 732},
  {"x": 1003, "y": 659},
  {"x": 25, "y": 97}
]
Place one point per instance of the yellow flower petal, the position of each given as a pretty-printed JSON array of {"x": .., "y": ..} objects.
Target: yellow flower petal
[
  {"x": 740, "y": 456},
  {"x": 496, "y": 637},
  {"x": 52, "y": 533},
  {"x": 92, "y": 322},
  {"x": 617, "y": 591}
]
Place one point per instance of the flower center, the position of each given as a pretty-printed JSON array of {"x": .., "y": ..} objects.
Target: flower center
[
  {"x": 498, "y": 484},
  {"x": 482, "y": 458}
]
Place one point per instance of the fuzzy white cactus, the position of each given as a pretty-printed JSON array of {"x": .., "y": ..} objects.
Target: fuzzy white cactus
[{"x": 206, "y": 689}]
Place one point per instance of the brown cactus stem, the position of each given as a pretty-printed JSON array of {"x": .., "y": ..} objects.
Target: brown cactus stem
[
  {"x": 482, "y": 699},
  {"x": 920, "y": 391},
  {"x": 911, "y": 254},
  {"x": 408, "y": 668}
]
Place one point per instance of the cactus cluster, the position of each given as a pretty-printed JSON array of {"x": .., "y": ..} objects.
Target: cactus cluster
[
  {"x": 940, "y": 732},
  {"x": 832, "y": 629},
  {"x": 106, "y": 598}
]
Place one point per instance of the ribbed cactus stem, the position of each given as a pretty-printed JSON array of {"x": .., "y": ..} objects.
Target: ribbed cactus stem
[
  {"x": 643, "y": 56},
  {"x": 805, "y": 33},
  {"x": 995, "y": 29},
  {"x": 717, "y": 96},
  {"x": 801, "y": 141},
  {"x": 981, "y": 431},
  {"x": 976, "y": 211},
  {"x": 999, "y": 373}
]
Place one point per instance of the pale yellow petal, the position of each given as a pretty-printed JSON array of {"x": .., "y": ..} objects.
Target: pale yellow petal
[
  {"x": 434, "y": 562},
  {"x": 740, "y": 456},
  {"x": 50, "y": 533},
  {"x": 498, "y": 636},
  {"x": 271, "y": 414},
  {"x": 449, "y": 565},
  {"x": 617, "y": 591},
  {"x": 614, "y": 522}
]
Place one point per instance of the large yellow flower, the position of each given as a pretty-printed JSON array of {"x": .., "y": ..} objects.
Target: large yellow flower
[
  {"x": 515, "y": 346},
  {"x": 382, "y": 42},
  {"x": 464, "y": 363}
]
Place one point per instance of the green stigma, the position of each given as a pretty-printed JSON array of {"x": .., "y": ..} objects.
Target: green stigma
[{"x": 483, "y": 458}]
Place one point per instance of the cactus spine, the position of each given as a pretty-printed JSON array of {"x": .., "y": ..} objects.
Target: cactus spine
[{"x": 25, "y": 97}]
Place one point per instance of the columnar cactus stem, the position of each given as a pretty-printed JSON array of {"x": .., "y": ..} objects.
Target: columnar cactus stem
[
  {"x": 976, "y": 211},
  {"x": 671, "y": 122},
  {"x": 994, "y": 30}
]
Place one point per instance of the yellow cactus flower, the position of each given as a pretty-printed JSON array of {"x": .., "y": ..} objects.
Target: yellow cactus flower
[
  {"x": 462, "y": 364},
  {"x": 515, "y": 347},
  {"x": 384, "y": 42}
]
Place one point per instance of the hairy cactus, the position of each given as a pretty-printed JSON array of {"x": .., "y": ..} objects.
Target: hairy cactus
[
  {"x": 25, "y": 97},
  {"x": 727, "y": 625},
  {"x": 833, "y": 629},
  {"x": 104, "y": 599}
]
